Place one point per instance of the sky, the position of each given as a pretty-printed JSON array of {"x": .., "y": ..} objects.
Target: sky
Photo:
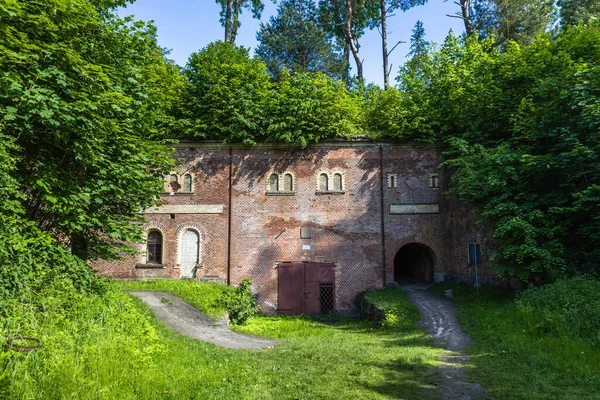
[{"x": 186, "y": 26}]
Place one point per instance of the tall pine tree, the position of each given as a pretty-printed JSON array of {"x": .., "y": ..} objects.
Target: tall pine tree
[
  {"x": 295, "y": 40},
  {"x": 512, "y": 20}
]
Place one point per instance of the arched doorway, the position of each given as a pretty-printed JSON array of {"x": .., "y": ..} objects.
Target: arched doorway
[{"x": 414, "y": 264}]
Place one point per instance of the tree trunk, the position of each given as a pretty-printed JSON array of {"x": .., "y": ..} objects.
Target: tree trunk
[
  {"x": 465, "y": 8},
  {"x": 350, "y": 40},
  {"x": 235, "y": 20},
  {"x": 346, "y": 72},
  {"x": 386, "y": 71},
  {"x": 228, "y": 21}
]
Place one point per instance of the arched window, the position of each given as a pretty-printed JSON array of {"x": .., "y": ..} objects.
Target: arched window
[
  {"x": 154, "y": 248},
  {"x": 274, "y": 183},
  {"x": 187, "y": 183},
  {"x": 323, "y": 183},
  {"x": 174, "y": 183},
  {"x": 288, "y": 183},
  {"x": 337, "y": 182}
]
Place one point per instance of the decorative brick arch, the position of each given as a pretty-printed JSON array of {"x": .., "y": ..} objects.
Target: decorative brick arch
[
  {"x": 199, "y": 229},
  {"x": 147, "y": 228},
  {"x": 280, "y": 181},
  {"x": 342, "y": 173},
  {"x": 321, "y": 171}
]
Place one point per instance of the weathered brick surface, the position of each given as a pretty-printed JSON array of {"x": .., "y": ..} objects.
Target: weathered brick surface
[{"x": 353, "y": 229}]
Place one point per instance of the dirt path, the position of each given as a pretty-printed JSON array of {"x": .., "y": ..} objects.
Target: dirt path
[
  {"x": 438, "y": 317},
  {"x": 188, "y": 321}
]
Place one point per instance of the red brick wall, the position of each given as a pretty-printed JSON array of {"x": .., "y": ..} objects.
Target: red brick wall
[
  {"x": 412, "y": 165},
  {"x": 346, "y": 227}
]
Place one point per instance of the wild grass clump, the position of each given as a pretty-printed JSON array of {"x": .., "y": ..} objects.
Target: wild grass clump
[
  {"x": 205, "y": 296},
  {"x": 87, "y": 342},
  {"x": 393, "y": 308},
  {"x": 512, "y": 358},
  {"x": 566, "y": 308}
]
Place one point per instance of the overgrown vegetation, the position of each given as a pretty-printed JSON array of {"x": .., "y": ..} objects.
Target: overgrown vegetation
[
  {"x": 240, "y": 303},
  {"x": 206, "y": 297},
  {"x": 112, "y": 347},
  {"x": 513, "y": 356},
  {"x": 566, "y": 308},
  {"x": 392, "y": 307}
]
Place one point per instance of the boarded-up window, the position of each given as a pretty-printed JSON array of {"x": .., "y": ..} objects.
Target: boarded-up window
[
  {"x": 154, "y": 248},
  {"x": 323, "y": 183},
  {"x": 288, "y": 183},
  {"x": 187, "y": 183},
  {"x": 273, "y": 183},
  {"x": 337, "y": 182}
]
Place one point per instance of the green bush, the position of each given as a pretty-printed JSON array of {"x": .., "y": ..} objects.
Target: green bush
[
  {"x": 565, "y": 308},
  {"x": 240, "y": 303}
]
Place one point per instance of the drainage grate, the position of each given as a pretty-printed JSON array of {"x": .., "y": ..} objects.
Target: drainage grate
[{"x": 326, "y": 297}]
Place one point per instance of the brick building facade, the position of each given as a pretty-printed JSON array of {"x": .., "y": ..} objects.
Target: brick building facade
[{"x": 337, "y": 217}]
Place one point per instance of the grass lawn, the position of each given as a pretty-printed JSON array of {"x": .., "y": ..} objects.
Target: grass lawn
[
  {"x": 114, "y": 348},
  {"x": 513, "y": 360}
]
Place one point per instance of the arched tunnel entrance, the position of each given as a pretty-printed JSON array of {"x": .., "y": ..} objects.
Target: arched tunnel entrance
[{"x": 414, "y": 264}]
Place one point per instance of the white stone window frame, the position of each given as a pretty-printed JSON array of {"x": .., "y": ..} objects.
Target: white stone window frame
[
  {"x": 430, "y": 181},
  {"x": 330, "y": 174},
  {"x": 280, "y": 184},
  {"x": 180, "y": 231},
  {"x": 392, "y": 181},
  {"x": 142, "y": 259},
  {"x": 180, "y": 179}
]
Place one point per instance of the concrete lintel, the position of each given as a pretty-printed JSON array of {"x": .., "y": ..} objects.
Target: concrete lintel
[
  {"x": 414, "y": 208},
  {"x": 187, "y": 209}
]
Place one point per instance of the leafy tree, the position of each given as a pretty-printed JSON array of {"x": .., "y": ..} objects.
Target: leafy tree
[
  {"x": 295, "y": 40},
  {"x": 398, "y": 115},
  {"x": 533, "y": 173},
  {"x": 230, "y": 15},
  {"x": 225, "y": 95},
  {"x": 309, "y": 107},
  {"x": 572, "y": 12},
  {"x": 516, "y": 20},
  {"x": 81, "y": 93}
]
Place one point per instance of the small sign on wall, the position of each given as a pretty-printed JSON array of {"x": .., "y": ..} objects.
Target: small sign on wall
[
  {"x": 414, "y": 208},
  {"x": 306, "y": 247}
]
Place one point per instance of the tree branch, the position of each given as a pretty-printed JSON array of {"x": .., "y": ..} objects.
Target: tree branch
[{"x": 396, "y": 45}]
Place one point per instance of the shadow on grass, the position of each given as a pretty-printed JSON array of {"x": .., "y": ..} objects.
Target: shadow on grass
[{"x": 412, "y": 378}]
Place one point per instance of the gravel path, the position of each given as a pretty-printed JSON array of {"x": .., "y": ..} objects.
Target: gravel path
[
  {"x": 188, "y": 321},
  {"x": 438, "y": 317}
]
